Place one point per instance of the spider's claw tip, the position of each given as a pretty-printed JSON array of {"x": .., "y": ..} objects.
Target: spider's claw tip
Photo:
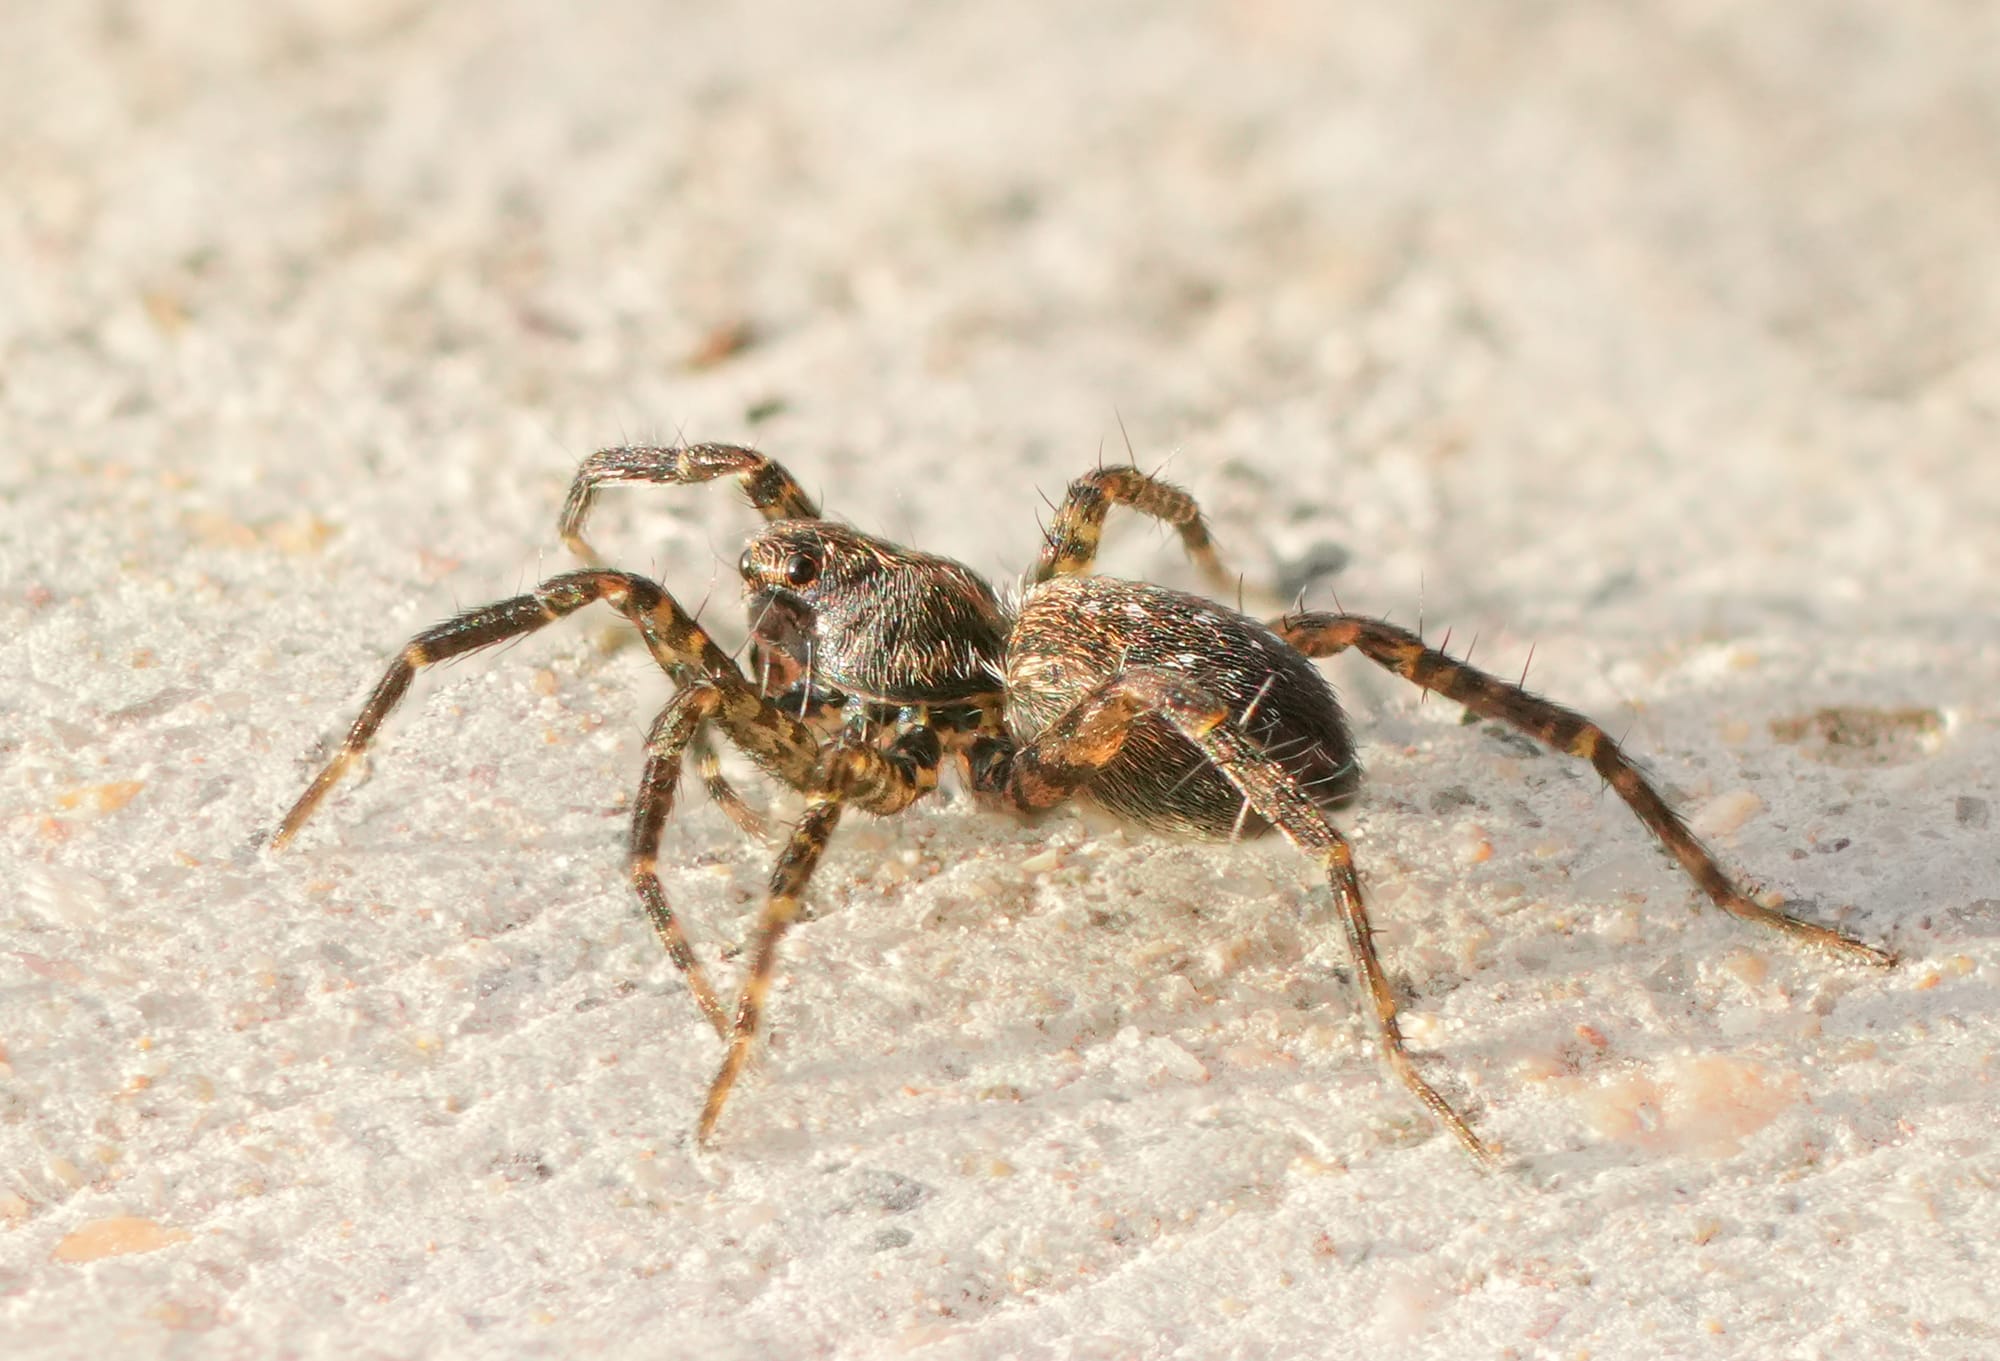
[{"x": 1873, "y": 955}]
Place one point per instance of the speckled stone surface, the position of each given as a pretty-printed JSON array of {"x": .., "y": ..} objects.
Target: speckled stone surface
[{"x": 1663, "y": 339}]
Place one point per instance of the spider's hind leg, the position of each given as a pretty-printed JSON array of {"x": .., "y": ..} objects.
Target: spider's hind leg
[
  {"x": 1565, "y": 730},
  {"x": 1089, "y": 736}
]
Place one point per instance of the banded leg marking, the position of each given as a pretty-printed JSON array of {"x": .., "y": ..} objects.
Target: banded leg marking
[
  {"x": 1071, "y": 543},
  {"x": 878, "y": 781},
  {"x": 1565, "y": 730},
  {"x": 1059, "y": 762},
  {"x": 770, "y": 488},
  {"x": 788, "y": 885},
  {"x": 675, "y": 640},
  {"x": 678, "y": 726},
  {"x": 723, "y": 795}
]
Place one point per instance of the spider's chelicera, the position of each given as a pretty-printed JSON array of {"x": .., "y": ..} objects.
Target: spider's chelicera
[{"x": 871, "y": 665}]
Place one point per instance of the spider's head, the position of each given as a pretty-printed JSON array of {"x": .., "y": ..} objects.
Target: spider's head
[{"x": 843, "y": 612}]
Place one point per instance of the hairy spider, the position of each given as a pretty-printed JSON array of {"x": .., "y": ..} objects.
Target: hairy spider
[{"x": 872, "y": 664}]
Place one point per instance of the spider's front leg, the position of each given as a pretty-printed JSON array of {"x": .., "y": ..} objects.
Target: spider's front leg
[
  {"x": 1057, "y": 765},
  {"x": 675, "y": 640},
  {"x": 875, "y": 780},
  {"x": 1403, "y": 652},
  {"x": 679, "y": 726},
  {"x": 717, "y": 695},
  {"x": 1070, "y": 546},
  {"x": 770, "y": 488},
  {"x": 763, "y": 729}
]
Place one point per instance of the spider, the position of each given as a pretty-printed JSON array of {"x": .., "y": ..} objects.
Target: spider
[{"x": 872, "y": 665}]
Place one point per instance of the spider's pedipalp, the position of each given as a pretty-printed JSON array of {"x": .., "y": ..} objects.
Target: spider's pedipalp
[{"x": 723, "y": 795}]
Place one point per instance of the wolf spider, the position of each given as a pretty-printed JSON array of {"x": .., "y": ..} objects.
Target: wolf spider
[{"x": 873, "y": 664}]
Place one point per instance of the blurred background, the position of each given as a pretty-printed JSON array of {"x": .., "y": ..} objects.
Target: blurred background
[
  {"x": 1432, "y": 284},
  {"x": 1664, "y": 337}
]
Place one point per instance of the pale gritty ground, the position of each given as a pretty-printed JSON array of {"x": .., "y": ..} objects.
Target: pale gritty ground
[{"x": 1664, "y": 338}]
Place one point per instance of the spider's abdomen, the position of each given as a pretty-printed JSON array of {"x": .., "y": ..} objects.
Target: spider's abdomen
[{"x": 1075, "y": 632}]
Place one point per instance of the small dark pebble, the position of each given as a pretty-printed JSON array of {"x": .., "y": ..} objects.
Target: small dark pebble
[
  {"x": 1517, "y": 743},
  {"x": 889, "y": 1192},
  {"x": 1449, "y": 800}
]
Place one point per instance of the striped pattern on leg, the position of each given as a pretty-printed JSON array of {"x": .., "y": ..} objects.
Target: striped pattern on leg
[
  {"x": 881, "y": 782},
  {"x": 1071, "y": 543},
  {"x": 772, "y": 490},
  {"x": 1406, "y": 654},
  {"x": 678, "y": 725},
  {"x": 1060, "y": 761},
  {"x": 677, "y": 643}
]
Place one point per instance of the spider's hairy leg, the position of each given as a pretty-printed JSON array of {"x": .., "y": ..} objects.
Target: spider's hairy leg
[
  {"x": 678, "y": 727},
  {"x": 676, "y": 641},
  {"x": 1071, "y": 544},
  {"x": 788, "y": 885},
  {"x": 883, "y": 782},
  {"x": 770, "y": 488},
  {"x": 1090, "y": 734},
  {"x": 872, "y": 779},
  {"x": 1400, "y": 651}
]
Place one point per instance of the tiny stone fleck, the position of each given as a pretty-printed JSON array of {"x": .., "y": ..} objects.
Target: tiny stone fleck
[{"x": 889, "y": 1239}]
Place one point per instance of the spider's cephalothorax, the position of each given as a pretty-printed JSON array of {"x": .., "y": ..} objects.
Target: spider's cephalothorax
[
  {"x": 869, "y": 619},
  {"x": 873, "y": 664}
]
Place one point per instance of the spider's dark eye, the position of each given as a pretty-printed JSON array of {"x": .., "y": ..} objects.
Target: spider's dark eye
[
  {"x": 801, "y": 569},
  {"x": 745, "y": 565}
]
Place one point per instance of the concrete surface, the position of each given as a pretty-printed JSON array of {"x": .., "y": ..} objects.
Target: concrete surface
[{"x": 1663, "y": 339}]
